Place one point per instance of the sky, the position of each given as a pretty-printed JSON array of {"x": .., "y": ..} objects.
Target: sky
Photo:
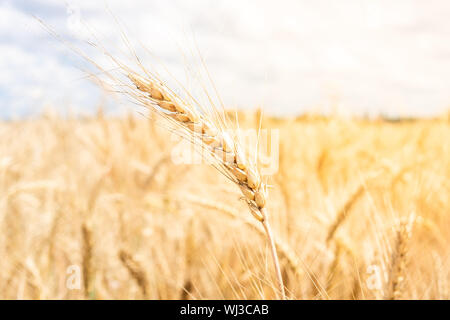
[{"x": 363, "y": 57}]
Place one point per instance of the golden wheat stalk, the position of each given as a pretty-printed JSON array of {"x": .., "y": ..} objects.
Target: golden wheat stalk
[
  {"x": 399, "y": 259},
  {"x": 207, "y": 133},
  {"x": 216, "y": 141},
  {"x": 87, "y": 259},
  {"x": 205, "y": 130}
]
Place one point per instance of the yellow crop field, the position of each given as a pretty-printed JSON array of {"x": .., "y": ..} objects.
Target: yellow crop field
[{"x": 97, "y": 208}]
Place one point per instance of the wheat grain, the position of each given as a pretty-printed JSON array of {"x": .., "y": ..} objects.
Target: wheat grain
[
  {"x": 219, "y": 144},
  {"x": 399, "y": 260},
  {"x": 214, "y": 139}
]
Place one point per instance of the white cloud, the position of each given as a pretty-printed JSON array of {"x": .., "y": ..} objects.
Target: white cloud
[{"x": 285, "y": 55}]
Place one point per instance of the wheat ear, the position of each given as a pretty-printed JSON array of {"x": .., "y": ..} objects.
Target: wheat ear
[
  {"x": 398, "y": 259},
  {"x": 211, "y": 137}
]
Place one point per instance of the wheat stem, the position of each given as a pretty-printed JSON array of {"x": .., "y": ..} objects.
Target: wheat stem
[{"x": 273, "y": 251}]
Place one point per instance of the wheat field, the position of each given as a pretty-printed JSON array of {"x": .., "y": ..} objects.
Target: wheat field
[{"x": 95, "y": 208}]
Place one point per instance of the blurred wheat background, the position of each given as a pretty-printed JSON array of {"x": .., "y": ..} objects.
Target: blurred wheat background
[
  {"x": 360, "y": 210},
  {"x": 93, "y": 205}
]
